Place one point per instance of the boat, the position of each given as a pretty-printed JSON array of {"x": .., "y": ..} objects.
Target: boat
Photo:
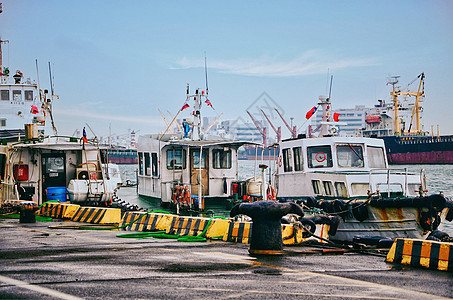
[
  {"x": 122, "y": 156},
  {"x": 37, "y": 164},
  {"x": 350, "y": 177},
  {"x": 409, "y": 145},
  {"x": 188, "y": 170}
]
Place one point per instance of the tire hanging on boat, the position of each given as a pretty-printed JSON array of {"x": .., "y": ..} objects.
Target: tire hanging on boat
[{"x": 360, "y": 211}]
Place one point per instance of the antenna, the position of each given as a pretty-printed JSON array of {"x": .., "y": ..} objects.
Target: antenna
[
  {"x": 330, "y": 89},
  {"x": 206, "y": 73},
  {"x": 50, "y": 75}
]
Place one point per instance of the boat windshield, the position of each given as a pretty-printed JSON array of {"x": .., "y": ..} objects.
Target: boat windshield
[
  {"x": 376, "y": 157},
  {"x": 319, "y": 157},
  {"x": 350, "y": 156}
]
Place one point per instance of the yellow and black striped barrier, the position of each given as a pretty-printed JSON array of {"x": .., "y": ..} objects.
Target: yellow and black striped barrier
[
  {"x": 97, "y": 215},
  {"x": 145, "y": 222},
  {"x": 422, "y": 253},
  {"x": 187, "y": 226},
  {"x": 58, "y": 210},
  {"x": 238, "y": 232}
]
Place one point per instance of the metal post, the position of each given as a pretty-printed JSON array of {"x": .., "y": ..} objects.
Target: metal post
[{"x": 200, "y": 207}]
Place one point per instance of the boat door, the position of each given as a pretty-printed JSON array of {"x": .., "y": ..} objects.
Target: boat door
[
  {"x": 196, "y": 175},
  {"x": 53, "y": 170}
]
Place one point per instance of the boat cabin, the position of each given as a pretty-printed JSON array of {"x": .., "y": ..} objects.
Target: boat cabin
[
  {"x": 30, "y": 170},
  {"x": 207, "y": 167},
  {"x": 340, "y": 167}
]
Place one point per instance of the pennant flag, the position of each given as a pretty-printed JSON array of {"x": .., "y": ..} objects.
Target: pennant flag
[
  {"x": 336, "y": 116},
  {"x": 185, "y": 106},
  {"x": 311, "y": 112},
  {"x": 34, "y": 110},
  {"x": 84, "y": 138},
  {"x": 209, "y": 103}
]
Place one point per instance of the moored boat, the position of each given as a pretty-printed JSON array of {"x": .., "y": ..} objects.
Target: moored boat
[
  {"x": 350, "y": 177},
  {"x": 191, "y": 169}
]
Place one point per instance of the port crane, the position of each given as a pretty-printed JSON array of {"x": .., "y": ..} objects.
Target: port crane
[
  {"x": 277, "y": 131},
  {"x": 262, "y": 130},
  {"x": 293, "y": 130}
]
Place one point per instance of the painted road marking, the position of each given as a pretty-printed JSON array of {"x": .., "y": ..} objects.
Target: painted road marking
[{"x": 37, "y": 288}]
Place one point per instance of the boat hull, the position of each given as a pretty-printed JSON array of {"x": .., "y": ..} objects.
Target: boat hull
[{"x": 419, "y": 149}]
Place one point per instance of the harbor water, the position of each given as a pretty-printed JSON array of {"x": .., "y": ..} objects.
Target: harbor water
[{"x": 439, "y": 180}]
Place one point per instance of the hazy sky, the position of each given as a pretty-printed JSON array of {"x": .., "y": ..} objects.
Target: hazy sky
[{"x": 117, "y": 62}]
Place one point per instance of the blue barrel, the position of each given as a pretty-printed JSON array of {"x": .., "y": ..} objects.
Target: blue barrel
[{"x": 57, "y": 193}]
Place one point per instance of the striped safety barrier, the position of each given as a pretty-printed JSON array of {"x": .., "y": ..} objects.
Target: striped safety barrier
[
  {"x": 58, "y": 210},
  {"x": 97, "y": 215},
  {"x": 187, "y": 226},
  {"x": 144, "y": 222},
  {"x": 12, "y": 202},
  {"x": 422, "y": 253},
  {"x": 238, "y": 232}
]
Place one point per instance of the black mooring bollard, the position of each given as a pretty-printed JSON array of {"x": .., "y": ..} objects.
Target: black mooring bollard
[{"x": 267, "y": 228}]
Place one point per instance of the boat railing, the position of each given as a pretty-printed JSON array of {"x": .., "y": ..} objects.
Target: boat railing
[{"x": 375, "y": 178}]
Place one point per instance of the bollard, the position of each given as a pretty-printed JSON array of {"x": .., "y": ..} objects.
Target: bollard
[
  {"x": 27, "y": 212},
  {"x": 267, "y": 229}
]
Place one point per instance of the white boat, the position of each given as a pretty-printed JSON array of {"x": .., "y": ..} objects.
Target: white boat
[
  {"x": 181, "y": 168},
  {"x": 350, "y": 177},
  {"x": 35, "y": 163}
]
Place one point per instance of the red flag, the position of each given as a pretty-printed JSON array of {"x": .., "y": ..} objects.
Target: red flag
[
  {"x": 311, "y": 112},
  {"x": 185, "y": 106},
  {"x": 209, "y": 103},
  {"x": 34, "y": 110},
  {"x": 336, "y": 116}
]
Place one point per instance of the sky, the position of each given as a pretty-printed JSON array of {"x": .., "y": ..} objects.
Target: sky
[{"x": 115, "y": 63}]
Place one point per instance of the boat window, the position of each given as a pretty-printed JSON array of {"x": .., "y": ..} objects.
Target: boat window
[
  {"x": 376, "y": 158},
  {"x": 28, "y": 95},
  {"x": 221, "y": 159},
  {"x": 140, "y": 163},
  {"x": 350, "y": 156},
  {"x": 287, "y": 167},
  {"x": 298, "y": 159},
  {"x": 359, "y": 189},
  {"x": 147, "y": 164},
  {"x": 176, "y": 159},
  {"x": 155, "y": 164},
  {"x": 316, "y": 187},
  {"x": 4, "y": 95},
  {"x": 17, "y": 95},
  {"x": 328, "y": 188},
  {"x": 2, "y": 122},
  {"x": 340, "y": 187},
  {"x": 319, "y": 157},
  {"x": 196, "y": 160}
]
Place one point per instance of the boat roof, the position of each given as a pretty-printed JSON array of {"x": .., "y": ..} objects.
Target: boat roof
[
  {"x": 235, "y": 144},
  {"x": 67, "y": 146},
  {"x": 329, "y": 140}
]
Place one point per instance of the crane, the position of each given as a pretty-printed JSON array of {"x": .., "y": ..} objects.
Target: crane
[
  {"x": 277, "y": 131},
  {"x": 416, "y": 111},
  {"x": 261, "y": 130},
  {"x": 293, "y": 130}
]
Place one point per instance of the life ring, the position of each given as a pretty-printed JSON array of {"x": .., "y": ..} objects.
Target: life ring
[
  {"x": 176, "y": 192},
  {"x": 186, "y": 198},
  {"x": 320, "y": 156},
  {"x": 271, "y": 195}
]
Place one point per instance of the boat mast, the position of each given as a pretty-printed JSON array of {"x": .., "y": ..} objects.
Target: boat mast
[{"x": 395, "y": 93}]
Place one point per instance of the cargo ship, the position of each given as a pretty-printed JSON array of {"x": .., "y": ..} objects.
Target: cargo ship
[
  {"x": 408, "y": 146},
  {"x": 123, "y": 156}
]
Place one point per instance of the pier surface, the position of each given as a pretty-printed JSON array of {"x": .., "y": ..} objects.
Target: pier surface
[{"x": 37, "y": 262}]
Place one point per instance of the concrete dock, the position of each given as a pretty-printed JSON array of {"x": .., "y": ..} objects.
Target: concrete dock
[{"x": 37, "y": 262}]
